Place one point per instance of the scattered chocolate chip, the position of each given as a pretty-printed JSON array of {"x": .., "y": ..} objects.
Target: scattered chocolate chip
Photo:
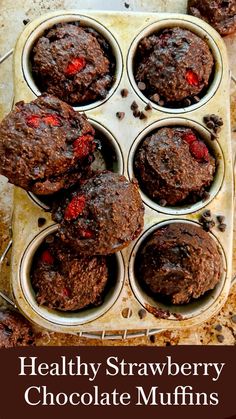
[
  {"x": 207, "y": 214},
  {"x": 220, "y": 218},
  {"x": 141, "y": 85},
  {"x": 210, "y": 125},
  {"x": 162, "y": 202},
  {"x": 126, "y": 5},
  {"x": 220, "y": 338},
  {"x": 148, "y": 107},
  {"x": 41, "y": 221},
  {"x": 134, "y": 106},
  {"x": 233, "y": 318},
  {"x": 142, "y": 115},
  {"x": 152, "y": 338},
  {"x": 120, "y": 115},
  {"x": 25, "y": 21},
  {"x": 218, "y": 327},
  {"x": 196, "y": 99},
  {"x": 142, "y": 313},
  {"x": 136, "y": 113},
  {"x": 124, "y": 92},
  {"x": 206, "y": 118},
  {"x": 222, "y": 227}
]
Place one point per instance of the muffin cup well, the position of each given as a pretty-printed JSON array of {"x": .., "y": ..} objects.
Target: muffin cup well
[
  {"x": 86, "y": 22},
  {"x": 196, "y": 29},
  {"x": 65, "y": 319},
  {"x": 176, "y": 312},
  {"x": 214, "y": 148},
  {"x": 108, "y": 156}
]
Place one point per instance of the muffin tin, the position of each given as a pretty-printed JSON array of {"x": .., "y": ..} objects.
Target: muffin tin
[{"x": 125, "y": 299}]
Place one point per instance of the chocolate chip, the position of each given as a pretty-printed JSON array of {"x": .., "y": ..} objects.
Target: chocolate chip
[
  {"x": 152, "y": 338},
  {"x": 25, "y": 21},
  {"x": 162, "y": 202},
  {"x": 126, "y": 5},
  {"x": 141, "y": 85},
  {"x": 220, "y": 122},
  {"x": 233, "y": 318},
  {"x": 41, "y": 221},
  {"x": 222, "y": 227},
  {"x": 207, "y": 118},
  {"x": 142, "y": 313},
  {"x": 220, "y": 218},
  {"x": 210, "y": 125},
  {"x": 136, "y": 113},
  {"x": 155, "y": 98},
  {"x": 120, "y": 115},
  {"x": 218, "y": 327},
  {"x": 134, "y": 106},
  {"x": 187, "y": 102},
  {"x": 196, "y": 99},
  {"x": 142, "y": 115},
  {"x": 207, "y": 214},
  {"x": 148, "y": 107},
  {"x": 124, "y": 92},
  {"x": 220, "y": 338}
]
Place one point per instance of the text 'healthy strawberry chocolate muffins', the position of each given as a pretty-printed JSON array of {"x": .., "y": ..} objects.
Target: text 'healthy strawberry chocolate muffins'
[
  {"x": 174, "y": 166},
  {"x": 173, "y": 68},
  {"x": 74, "y": 63},
  {"x": 102, "y": 217},
  {"x": 179, "y": 262},
  {"x": 45, "y": 145}
]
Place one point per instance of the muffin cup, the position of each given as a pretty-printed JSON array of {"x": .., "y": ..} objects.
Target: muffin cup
[
  {"x": 196, "y": 29},
  {"x": 108, "y": 158},
  {"x": 214, "y": 148},
  {"x": 56, "y": 317},
  {"x": 86, "y": 22},
  {"x": 176, "y": 312}
]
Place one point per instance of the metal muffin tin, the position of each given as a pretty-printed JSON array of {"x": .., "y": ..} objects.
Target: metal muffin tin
[{"x": 122, "y": 305}]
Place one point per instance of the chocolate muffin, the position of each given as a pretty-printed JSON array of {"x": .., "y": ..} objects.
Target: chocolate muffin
[
  {"x": 15, "y": 330},
  {"x": 45, "y": 145},
  {"x": 219, "y": 14},
  {"x": 62, "y": 280},
  {"x": 174, "y": 167},
  {"x": 172, "y": 66},
  {"x": 179, "y": 261},
  {"x": 103, "y": 217},
  {"x": 73, "y": 63}
]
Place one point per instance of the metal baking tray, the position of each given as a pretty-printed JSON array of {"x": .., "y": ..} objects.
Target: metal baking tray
[{"x": 125, "y": 298}]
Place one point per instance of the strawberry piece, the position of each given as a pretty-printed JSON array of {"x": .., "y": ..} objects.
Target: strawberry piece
[
  {"x": 51, "y": 120},
  {"x": 65, "y": 292},
  {"x": 33, "y": 121},
  {"x": 74, "y": 208},
  {"x": 189, "y": 138},
  {"x": 46, "y": 257},
  {"x": 87, "y": 234},
  {"x": 77, "y": 64},
  {"x": 82, "y": 145},
  {"x": 192, "y": 78},
  {"x": 199, "y": 151}
]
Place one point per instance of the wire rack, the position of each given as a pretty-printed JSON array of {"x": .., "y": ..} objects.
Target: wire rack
[{"x": 101, "y": 335}]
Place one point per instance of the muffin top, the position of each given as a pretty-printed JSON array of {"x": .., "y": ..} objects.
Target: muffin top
[
  {"x": 45, "y": 145},
  {"x": 103, "y": 217},
  {"x": 15, "y": 330},
  {"x": 173, "y": 165},
  {"x": 173, "y": 65},
  {"x": 62, "y": 280},
  {"x": 179, "y": 261},
  {"x": 73, "y": 63}
]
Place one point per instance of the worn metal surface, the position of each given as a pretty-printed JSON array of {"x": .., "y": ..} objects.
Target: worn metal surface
[{"x": 7, "y": 38}]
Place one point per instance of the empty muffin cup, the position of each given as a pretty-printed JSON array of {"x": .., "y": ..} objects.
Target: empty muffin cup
[
  {"x": 185, "y": 306},
  {"x": 76, "y": 64},
  {"x": 214, "y": 150},
  {"x": 198, "y": 90},
  {"x": 47, "y": 317},
  {"x": 107, "y": 156}
]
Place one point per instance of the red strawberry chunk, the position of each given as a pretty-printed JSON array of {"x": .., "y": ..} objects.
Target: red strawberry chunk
[
  {"x": 65, "y": 292},
  {"x": 77, "y": 64},
  {"x": 33, "y": 121},
  {"x": 87, "y": 234},
  {"x": 82, "y": 145},
  {"x": 75, "y": 207},
  {"x": 52, "y": 120},
  {"x": 192, "y": 78},
  {"x": 46, "y": 257},
  {"x": 189, "y": 138},
  {"x": 199, "y": 151}
]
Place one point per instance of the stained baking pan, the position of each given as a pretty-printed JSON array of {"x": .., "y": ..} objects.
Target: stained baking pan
[{"x": 124, "y": 300}]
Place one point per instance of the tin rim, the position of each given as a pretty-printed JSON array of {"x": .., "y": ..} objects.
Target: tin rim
[
  {"x": 177, "y": 312},
  {"x": 198, "y": 30},
  {"x": 40, "y": 314},
  {"x": 85, "y": 21},
  {"x": 213, "y": 146}
]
